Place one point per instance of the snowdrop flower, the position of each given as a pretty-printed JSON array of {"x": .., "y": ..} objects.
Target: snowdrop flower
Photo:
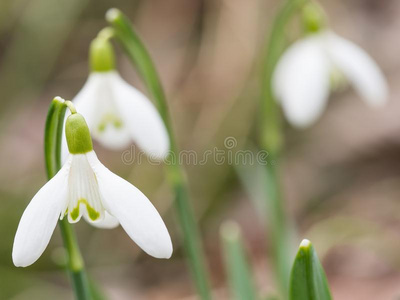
[
  {"x": 118, "y": 114},
  {"x": 301, "y": 81},
  {"x": 85, "y": 187}
]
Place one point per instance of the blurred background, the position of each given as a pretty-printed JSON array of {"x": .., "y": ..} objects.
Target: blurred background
[{"x": 341, "y": 177}]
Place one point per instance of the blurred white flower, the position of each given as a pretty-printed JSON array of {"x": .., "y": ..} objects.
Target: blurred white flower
[
  {"x": 301, "y": 81},
  {"x": 85, "y": 187},
  {"x": 118, "y": 114}
]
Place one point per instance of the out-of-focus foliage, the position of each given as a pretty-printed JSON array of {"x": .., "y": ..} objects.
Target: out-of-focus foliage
[{"x": 341, "y": 176}]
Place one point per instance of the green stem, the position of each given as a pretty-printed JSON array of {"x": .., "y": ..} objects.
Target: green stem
[
  {"x": 52, "y": 144},
  {"x": 271, "y": 138},
  {"x": 140, "y": 57}
]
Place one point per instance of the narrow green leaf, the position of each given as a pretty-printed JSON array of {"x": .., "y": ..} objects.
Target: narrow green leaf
[
  {"x": 236, "y": 264},
  {"x": 308, "y": 280}
]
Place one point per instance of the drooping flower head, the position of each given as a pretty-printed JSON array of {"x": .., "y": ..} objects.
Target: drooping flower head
[
  {"x": 117, "y": 113},
  {"x": 302, "y": 78},
  {"x": 84, "y": 187}
]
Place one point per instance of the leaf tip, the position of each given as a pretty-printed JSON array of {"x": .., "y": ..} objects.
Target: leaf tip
[
  {"x": 305, "y": 244},
  {"x": 230, "y": 230}
]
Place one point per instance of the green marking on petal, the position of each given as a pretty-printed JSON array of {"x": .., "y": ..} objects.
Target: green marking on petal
[
  {"x": 118, "y": 123},
  {"x": 102, "y": 127},
  {"x": 93, "y": 214},
  {"x": 109, "y": 119},
  {"x": 75, "y": 212}
]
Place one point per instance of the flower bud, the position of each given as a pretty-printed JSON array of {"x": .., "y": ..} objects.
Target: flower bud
[{"x": 78, "y": 135}]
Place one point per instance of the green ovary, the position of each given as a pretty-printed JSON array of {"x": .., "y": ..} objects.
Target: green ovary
[
  {"x": 109, "y": 119},
  {"x": 93, "y": 214}
]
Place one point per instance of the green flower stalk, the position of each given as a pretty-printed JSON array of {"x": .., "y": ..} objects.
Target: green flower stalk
[
  {"x": 299, "y": 77},
  {"x": 139, "y": 56},
  {"x": 271, "y": 140}
]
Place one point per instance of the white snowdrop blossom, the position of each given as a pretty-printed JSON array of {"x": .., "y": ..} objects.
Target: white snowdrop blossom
[
  {"x": 117, "y": 113},
  {"x": 84, "y": 187},
  {"x": 301, "y": 81}
]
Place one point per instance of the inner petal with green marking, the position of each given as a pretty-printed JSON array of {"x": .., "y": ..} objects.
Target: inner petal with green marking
[
  {"x": 83, "y": 192},
  {"x": 109, "y": 119},
  {"x": 92, "y": 213}
]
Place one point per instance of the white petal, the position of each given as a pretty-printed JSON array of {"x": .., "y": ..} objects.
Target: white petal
[
  {"x": 359, "y": 68},
  {"x": 86, "y": 101},
  {"x": 142, "y": 118},
  {"x": 40, "y": 218},
  {"x": 133, "y": 210},
  {"x": 301, "y": 81},
  {"x": 109, "y": 222}
]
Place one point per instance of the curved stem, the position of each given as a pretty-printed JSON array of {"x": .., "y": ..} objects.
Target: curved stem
[
  {"x": 52, "y": 144},
  {"x": 271, "y": 139},
  {"x": 140, "y": 57},
  {"x": 106, "y": 33},
  {"x": 71, "y": 108}
]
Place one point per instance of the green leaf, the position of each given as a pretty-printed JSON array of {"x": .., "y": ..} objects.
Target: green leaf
[
  {"x": 237, "y": 267},
  {"x": 308, "y": 280}
]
